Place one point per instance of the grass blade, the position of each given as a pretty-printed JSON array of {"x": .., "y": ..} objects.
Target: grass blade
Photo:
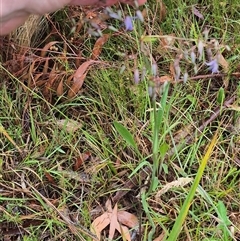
[
  {"x": 126, "y": 135},
  {"x": 184, "y": 210}
]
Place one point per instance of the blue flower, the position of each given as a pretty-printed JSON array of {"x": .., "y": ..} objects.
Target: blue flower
[
  {"x": 115, "y": 15},
  {"x": 213, "y": 66},
  {"x": 128, "y": 23}
]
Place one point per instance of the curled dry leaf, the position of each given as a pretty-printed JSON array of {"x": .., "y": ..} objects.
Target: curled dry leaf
[
  {"x": 47, "y": 47},
  {"x": 163, "y": 10},
  {"x": 225, "y": 65},
  {"x": 68, "y": 125},
  {"x": 161, "y": 237},
  {"x": 223, "y": 62},
  {"x": 197, "y": 13},
  {"x": 128, "y": 219},
  {"x": 81, "y": 159},
  {"x": 79, "y": 78},
  {"x": 59, "y": 91},
  {"x": 162, "y": 79},
  {"x": 97, "y": 49},
  {"x": 49, "y": 178},
  {"x": 118, "y": 220}
]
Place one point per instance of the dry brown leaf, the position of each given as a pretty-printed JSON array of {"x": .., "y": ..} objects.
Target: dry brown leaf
[
  {"x": 225, "y": 65},
  {"x": 79, "y": 78},
  {"x": 97, "y": 49},
  {"x": 68, "y": 125},
  {"x": 49, "y": 178},
  {"x": 162, "y": 79},
  {"x": 171, "y": 70},
  {"x": 59, "y": 91},
  {"x": 81, "y": 159},
  {"x": 197, "y": 13},
  {"x": 166, "y": 44},
  {"x": 100, "y": 223},
  {"x": 163, "y": 10},
  {"x": 115, "y": 219},
  {"x": 161, "y": 237},
  {"x": 114, "y": 224},
  {"x": 223, "y": 62},
  {"x": 46, "y": 65},
  {"x": 47, "y": 47},
  {"x": 48, "y": 87},
  {"x": 128, "y": 219}
]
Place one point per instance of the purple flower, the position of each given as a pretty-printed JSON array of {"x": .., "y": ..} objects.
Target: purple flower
[
  {"x": 213, "y": 66},
  {"x": 193, "y": 57},
  {"x": 140, "y": 16},
  {"x": 128, "y": 23},
  {"x": 115, "y": 15}
]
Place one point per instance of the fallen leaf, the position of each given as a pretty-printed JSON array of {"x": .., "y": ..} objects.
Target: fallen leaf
[
  {"x": 197, "y": 13},
  {"x": 100, "y": 223},
  {"x": 81, "y": 159},
  {"x": 117, "y": 220},
  {"x": 223, "y": 62},
  {"x": 128, "y": 219},
  {"x": 97, "y": 49},
  {"x": 171, "y": 70},
  {"x": 49, "y": 178},
  {"x": 163, "y": 10},
  {"x": 68, "y": 125},
  {"x": 162, "y": 79},
  {"x": 166, "y": 43},
  {"x": 59, "y": 91},
  {"x": 161, "y": 237},
  {"x": 46, "y": 66},
  {"x": 79, "y": 78},
  {"x": 225, "y": 65}
]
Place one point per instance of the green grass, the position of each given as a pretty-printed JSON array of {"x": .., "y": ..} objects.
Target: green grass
[{"x": 124, "y": 131}]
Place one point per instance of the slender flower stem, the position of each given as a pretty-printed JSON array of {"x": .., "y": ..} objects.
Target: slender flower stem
[{"x": 154, "y": 148}]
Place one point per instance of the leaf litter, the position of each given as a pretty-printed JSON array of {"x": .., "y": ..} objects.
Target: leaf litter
[
  {"x": 117, "y": 220},
  {"x": 79, "y": 78}
]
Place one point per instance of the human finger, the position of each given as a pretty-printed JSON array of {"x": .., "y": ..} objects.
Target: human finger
[
  {"x": 104, "y": 2},
  {"x": 10, "y": 25}
]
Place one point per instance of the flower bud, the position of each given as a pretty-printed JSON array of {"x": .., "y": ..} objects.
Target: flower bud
[
  {"x": 136, "y": 76},
  {"x": 185, "y": 77},
  {"x": 154, "y": 69},
  {"x": 200, "y": 49},
  {"x": 140, "y": 16},
  {"x": 193, "y": 57}
]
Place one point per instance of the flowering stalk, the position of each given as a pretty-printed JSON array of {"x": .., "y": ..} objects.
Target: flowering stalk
[{"x": 158, "y": 114}]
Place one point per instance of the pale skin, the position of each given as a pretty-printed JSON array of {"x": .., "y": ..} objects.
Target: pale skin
[{"x": 13, "y": 13}]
